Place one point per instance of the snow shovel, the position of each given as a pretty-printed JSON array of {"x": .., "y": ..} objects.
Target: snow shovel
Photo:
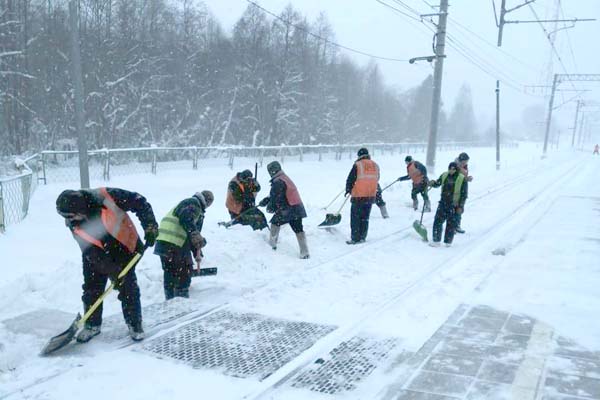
[
  {"x": 419, "y": 227},
  {"x": 334, "y": 219},
  {"x": 63, "y": 339},
  {"x": 199, "y": 271}
]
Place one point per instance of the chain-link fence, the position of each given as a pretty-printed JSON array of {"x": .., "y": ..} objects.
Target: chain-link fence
[
  {"x": 16, "y": 191},
  {"x": 63, "y": 166}
]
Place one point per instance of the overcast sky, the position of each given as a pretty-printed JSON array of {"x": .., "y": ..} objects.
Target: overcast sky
[{"x": 523, "y": 59}]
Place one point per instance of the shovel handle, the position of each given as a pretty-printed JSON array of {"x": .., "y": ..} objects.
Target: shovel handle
[
  {"x": 382, "y": 190},
  {"x": 343, "y": 204},
  {"x": 423, "y": 210},
  {"x": 334, "y": 199}
]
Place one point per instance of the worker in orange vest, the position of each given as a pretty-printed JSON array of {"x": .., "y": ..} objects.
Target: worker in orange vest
[
  {"x": 596, "y": 148},
  {"x": 417, "y": 172},
  {"x": 98, "y": 220},
  {"x": 361, "y": 184},
  {"x": 241, "y": 202}
]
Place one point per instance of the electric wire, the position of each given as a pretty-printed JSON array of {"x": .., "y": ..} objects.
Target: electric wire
[
  {"x": 308, "y": 32},
  {"x": 551, "y": 44},
  {"x": 569, "y": 39}
]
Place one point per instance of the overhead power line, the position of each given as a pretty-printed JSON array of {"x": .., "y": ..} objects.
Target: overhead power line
[{"x": 301, "y": 28}]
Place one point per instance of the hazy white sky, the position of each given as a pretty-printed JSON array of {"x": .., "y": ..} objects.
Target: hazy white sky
[{"x": 524, "y": 58}]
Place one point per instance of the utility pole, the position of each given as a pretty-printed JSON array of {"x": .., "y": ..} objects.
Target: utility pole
[
  {"x": 549, "y": 116},
  {"x": 558, "y": 78},
  {"x": 437, "y": 83},
  {"x": 500, "y": 22},
  {"x": 497, "y": 125},
  {"x": 575, "y": 123},
  {"x": 579, "y": 137},
  {"x": 84, "y": 174}
]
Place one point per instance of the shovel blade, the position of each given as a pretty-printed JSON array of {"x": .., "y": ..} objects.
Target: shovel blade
[
  {"x": 421, "y": 230},
  {"x": 61, "y": 340},
  {"x": 204, "y": 271},
  {"x": 331, "y": 219}
]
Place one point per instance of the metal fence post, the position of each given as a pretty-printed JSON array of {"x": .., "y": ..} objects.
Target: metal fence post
[
  {"x": 154, "y": 161},
  {"x": 106, "y": 172},
  {"x": 195, "y": 160},
  {"x": 262, "y": 156},
  {"x": 231, "y": 157},
  {"x": 301, "y": 155},
  {"x": 43, "y": 160}
]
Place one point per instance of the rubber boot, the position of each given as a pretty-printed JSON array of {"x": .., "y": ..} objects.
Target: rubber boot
[
  {"x": 136, "y": 331},
  {"x": 384, "y": 212},
  {"x": 415, "y": 204},
  {"x": 427, "y": 206},
  {"x": 274, "y": 236},
  {"x": 301, "y": 236},
  {"x": 169, "y": 293},
  {"x": 87, "y": 333}
]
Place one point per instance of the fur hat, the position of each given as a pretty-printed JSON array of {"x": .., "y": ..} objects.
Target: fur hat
[{"x": 205, "y": 197}]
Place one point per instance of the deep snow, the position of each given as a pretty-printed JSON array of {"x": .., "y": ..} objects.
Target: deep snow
[{"x": 542, "y": 213}]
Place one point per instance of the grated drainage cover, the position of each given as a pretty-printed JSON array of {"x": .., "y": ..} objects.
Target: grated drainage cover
[
  {"x": 348, "y": 364},
  {"x": 238, "y": 344},
  {"x": 115, "y": 329}
]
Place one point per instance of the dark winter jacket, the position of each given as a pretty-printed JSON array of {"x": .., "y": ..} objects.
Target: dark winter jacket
[
  {"x": 279, "y": 205},
  {"x": 190, "y": 213},
  {"x": 447, "y": 195},
  {"x": 114, "y": 256}
]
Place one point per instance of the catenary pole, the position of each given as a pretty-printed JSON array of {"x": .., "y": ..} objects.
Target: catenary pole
[{"x": 437, "y": 83}]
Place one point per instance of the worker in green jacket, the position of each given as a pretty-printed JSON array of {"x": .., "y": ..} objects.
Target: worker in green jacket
[{"x": 179, "y": 239}]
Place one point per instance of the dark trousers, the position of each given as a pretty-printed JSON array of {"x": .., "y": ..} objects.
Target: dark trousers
[
  {"x": 177, "y": 275},
  {"x": 445, "y": 213},
  {"x": 94, "y": 283},
  {"x": 420, "y": 188},
  {"x": 296, "y": 225},
  {"x": 359, "y": 220}
]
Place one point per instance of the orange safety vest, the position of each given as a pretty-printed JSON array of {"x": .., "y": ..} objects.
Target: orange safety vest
[
  {"x": 414, "y": 173},
  {"x": 231, "y": 203},
  {"x": 291, "y": 191},
  {"x": 115, "y": 222},
  {"x": 367, "y": 176}
]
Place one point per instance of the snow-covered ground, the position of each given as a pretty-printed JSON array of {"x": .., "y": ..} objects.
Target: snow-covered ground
[{"x": 541, "y": 214}]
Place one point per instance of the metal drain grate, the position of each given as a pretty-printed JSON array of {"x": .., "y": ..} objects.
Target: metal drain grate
[
  {"x": 115, "y": 329},
  {"x": 348, "y": 364},
  {"x": 241, "y": 345}
]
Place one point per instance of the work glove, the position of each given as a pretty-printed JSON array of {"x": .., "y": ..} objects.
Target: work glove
[
  {"x": 150, "y": 235},
  {"x": 346, "y": 193},
  {"x": 469, "y": 178},
  {"x": 197, "y": 240},
  {"x": 264, "y": 202},
  {"x": 430, "y": 184},
  {"x": 459, "y": 210}
]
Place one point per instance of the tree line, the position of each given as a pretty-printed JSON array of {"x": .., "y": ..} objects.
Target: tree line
[{"x": 165, "y": 72}]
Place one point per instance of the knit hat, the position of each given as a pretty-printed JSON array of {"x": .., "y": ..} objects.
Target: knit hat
[
  {"x": 453, "y": 165},
  {"x": 463, "y": 157},
  {"x": 362, "y": 152},
  {"x": 273, "y": 168},
  {"x": 71, "y": 201},
  {"x": 245, "y": 175},
  {"x": 408, "y": 159}
]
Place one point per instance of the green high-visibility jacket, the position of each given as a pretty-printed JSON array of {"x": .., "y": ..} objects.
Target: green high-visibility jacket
[
  {"x": 457, "y": 187},
  {"x": 170, "y": 230}
]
